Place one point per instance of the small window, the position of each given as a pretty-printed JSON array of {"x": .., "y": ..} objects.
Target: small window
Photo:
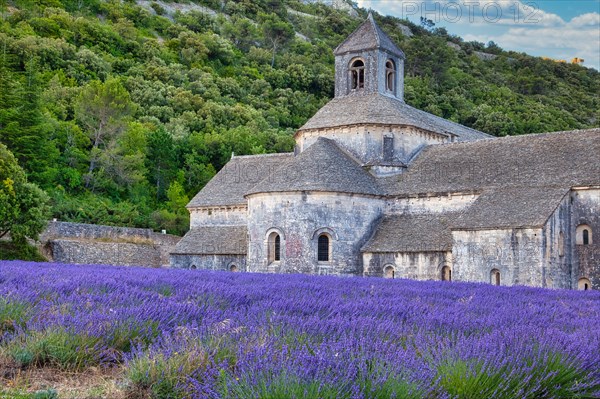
[
  {"x": 193, "y": 267},
  {"x": 389, "y": 272},
  {"x": 495, "y": 277},
  {"x": 233, "y": 267},
  {"x": 583, "y": 235},
  {"x": 274, "y": 247},
  {"x": 323, "y": 248},
  {"x": 446, "y": 273},
  {"x": 390, "y": 76},
  {"x": 357, "y": 75},
  {"x": 584, "y": 284}
]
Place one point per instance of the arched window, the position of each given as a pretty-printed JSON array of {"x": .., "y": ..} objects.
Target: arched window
[
  {"x": 583, "y": 235},
  {"x": 446, "y": 273},
  {"x": 193, "y": 267},
  {"x": 324, "y": 248},
  {"x": 390, "y": 76},
  {"x": 233, "y": 267},
  {"x": 584, "y": 284},
  {"x": 495, "y": 277},
  {"x": 389, "y": 272},
  {"x": 357, "y": 75},
  {"x": 274, "y": 247}
]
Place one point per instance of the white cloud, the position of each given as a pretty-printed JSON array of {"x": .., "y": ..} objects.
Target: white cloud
[
  {"x": 504, "y": 12},
  {"x": 591, "y": 19},
  {"x": 512, "y": 24},
  {"x": 580, "y": 37}
]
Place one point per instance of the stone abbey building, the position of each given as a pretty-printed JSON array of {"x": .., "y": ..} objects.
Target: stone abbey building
[{"x": 376, "y": 187}]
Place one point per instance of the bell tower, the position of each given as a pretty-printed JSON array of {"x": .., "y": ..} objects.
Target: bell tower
[{"x": 368, "y": 62}]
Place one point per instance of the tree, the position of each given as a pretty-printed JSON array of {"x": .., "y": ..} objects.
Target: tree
[
  {"x": 161, "y": 160},
  {"x": 102, "y": 109},
  {"x": 277, "y": 33},
  {"x": 24, "y": 206}
]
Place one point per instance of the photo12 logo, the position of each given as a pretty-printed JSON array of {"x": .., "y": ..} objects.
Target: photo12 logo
[{"x": 472, "y": 11}]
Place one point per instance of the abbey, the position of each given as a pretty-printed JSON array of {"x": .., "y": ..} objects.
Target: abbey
[{"x": 376, "y": 187}]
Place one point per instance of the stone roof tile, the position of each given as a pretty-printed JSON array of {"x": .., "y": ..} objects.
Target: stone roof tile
[
  {"x": 238, "y": 176},
  {"x": 321, "y": 167},
  {"x": 511, "y": 208},
  {"x": 563, "y": 159},
  {"x": 368, "y": 36},
  {"x": 427, "y": 232},
  {"x": 380, "y": 109}
]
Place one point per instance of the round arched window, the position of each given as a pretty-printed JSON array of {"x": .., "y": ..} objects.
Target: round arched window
[
  {"x": 357, "y": 75},
  {"x": 584, "y": 284},
  {"x": 495, "y": 277},
  {"x": 446, "y": 273},
  {"x": 324, "y": 248},
  {"x": 390, "y": 76},
  {"x": 389, "y": 272},
  {"x": 583, "y": 235},
  {"x": 274, "y": 247}
]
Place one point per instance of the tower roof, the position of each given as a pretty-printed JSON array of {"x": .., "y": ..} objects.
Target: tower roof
[
  {"x": 380, "y": 109},
  {"x": 368, "y": 36},
  {"x": 321, "y": 167}
]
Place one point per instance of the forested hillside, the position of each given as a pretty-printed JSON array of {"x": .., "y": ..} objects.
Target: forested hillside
[{"x": 121, "y": 111}]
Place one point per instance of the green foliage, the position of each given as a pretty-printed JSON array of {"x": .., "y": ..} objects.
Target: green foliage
[
  {"x": 23, "y": 205},
  {"x": 106, "y": 114},
  {"x": 285, "y": 387},
  {"x": 162, "y": 376},
  {"x": 21, "y": 251},
  {"x": 55, "y": 348},
  {"x": 14, "y": 394},
  {"x": 46, "y": 394},
  {"x": 550, "y": 375},
  {"x": 13, "y": 315}
]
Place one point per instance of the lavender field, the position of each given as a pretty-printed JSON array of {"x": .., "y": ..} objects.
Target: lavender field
[{"x": 193, "y": 334}]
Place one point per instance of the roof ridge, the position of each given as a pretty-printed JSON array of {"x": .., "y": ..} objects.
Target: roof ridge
[
  {"x": 527, "y": 136},
  {"x": 274, "y": 154},
  {"x": 382, "y": 40},
  {"x": 375, "y": 28}
]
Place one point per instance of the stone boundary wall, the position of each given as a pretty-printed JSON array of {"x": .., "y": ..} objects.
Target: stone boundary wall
[{"x": 80, "y": 243}]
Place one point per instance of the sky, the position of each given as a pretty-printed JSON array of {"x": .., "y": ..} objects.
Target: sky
[{"x": 558, "y": 29}]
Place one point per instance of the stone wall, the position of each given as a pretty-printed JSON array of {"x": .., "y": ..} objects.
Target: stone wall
[
  {"x": 210, "y": 262},
  {"x": 80, "y": 243},
  {"x": 365, "y": 142},
  {"x": 585, "y": 205},
  {"x": 375, "y": 73},
  {"x": 515, "y": 253},
  {"x": 557, "y": 248},
  {"x": 300, "y": 218},
  {"x": 412, "y": 265},
  {"x": 430, "y": 204},
  {"x": 218, "y": 216}
]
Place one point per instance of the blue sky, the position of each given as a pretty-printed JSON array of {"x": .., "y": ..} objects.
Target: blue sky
[{"x": 559, "y": 29}]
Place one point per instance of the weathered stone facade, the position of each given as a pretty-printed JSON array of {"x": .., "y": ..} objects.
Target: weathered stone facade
[
  {"x": 300, "y": 218},
  {"x": 80, "y": 243},
  {"x": 378, "y": 188}
]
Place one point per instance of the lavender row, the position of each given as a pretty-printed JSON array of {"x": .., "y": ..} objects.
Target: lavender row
[{"x": 236, "y": 335}]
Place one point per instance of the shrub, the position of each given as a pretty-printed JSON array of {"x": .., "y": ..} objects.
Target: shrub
[
  {"x": 56, "y": 348},
  {"x": 13, "y": 315}
]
